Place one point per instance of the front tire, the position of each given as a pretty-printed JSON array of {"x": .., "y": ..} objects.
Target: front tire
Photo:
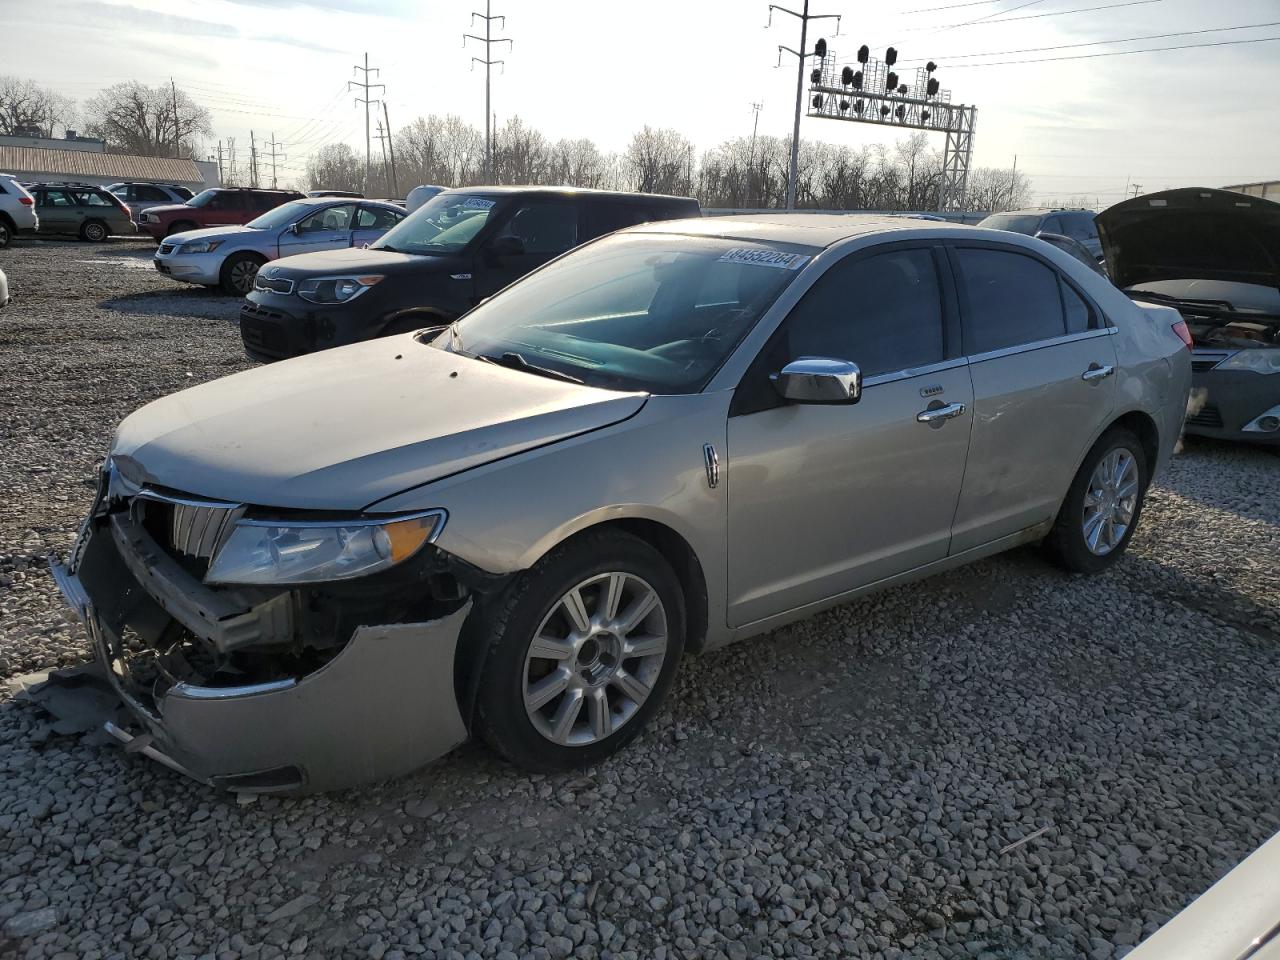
[
  {"x": 238, "y": 274},
  {"x": 6, "y": 233},
  {"x": 584, "y": 648},
  {"x": 1103, "y": 506},
  {"x": 94, "y": 231}
]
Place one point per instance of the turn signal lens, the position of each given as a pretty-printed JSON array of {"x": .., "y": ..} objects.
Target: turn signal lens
[
  {"x": 401, "y": 540},
  {"x": 1184, "y": 334}
]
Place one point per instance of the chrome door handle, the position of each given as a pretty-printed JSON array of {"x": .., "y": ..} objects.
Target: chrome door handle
[
  {"x": 1096, "y": 373},
  {"x": 938, "y": 414}
]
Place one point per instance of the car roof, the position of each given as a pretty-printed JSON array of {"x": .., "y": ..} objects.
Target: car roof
[
  {"x": 336, "y": 201},
  {"x": 811, "y": 229},
  {"x": 567, "y": 191},
  {"x": 1028, "y": 211}
]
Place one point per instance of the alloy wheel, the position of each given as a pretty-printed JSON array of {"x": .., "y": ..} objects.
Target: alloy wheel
[
  {"x": 595, "y": 659},
  {"x": 95, "y": 232},
  {"x": 243, "y": 273},
  {"x": 1110, "y": 501},
  {"x": 5, "y": 235}
]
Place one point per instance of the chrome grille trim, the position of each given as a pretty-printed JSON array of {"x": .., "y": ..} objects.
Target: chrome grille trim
[{"x": 197, "y": 527}]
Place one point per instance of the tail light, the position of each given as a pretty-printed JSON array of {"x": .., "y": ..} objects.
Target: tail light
[
  {"x": 27, "y": 201},
  {"x": 1184, "y": 334}
]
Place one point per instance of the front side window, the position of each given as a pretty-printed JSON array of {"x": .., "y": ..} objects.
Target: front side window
[
  {"x": 1080, "y": 226},
  {"x": 279, "y": 217},
  {"x": 444, "y": 224},
  {"x": 1012, "y": 299},
  {"x": 55, "y": 198},
  {"x": 329, "y": 220},
  {"x": 544, "y": 227},
  {"x": 882, "y": 312},
  {"x": 606, "y": 216},
  {"x": 654, "y": 312}
]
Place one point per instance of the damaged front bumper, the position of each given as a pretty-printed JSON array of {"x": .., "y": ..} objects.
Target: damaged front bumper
[{"x": 379, "y": 705}]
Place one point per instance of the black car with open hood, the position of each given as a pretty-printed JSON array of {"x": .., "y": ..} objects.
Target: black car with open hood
[{"x": 1215, "y": 256}]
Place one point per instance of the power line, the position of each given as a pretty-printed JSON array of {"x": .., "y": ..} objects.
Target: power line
[
  {"x": 988, "y": 20},
  {"x": 1115, "y": 53},
  {"x": 950, "y": 6},
  {"x": 1094, "y": 43}
]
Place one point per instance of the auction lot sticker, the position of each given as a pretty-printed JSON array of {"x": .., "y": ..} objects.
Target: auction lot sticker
[{"x": 765, "y": 258}]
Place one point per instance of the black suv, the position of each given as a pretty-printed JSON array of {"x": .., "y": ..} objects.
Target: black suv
[
  {"x": 462, "y": 246},
  {"x": 1076, "y": 224}
]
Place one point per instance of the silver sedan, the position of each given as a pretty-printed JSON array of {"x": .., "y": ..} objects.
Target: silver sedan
[
  {"x": 229, "y": 257},
  {"x": 667, "y": 440}
]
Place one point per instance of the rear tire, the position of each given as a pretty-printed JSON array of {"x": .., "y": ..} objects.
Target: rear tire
[
  {"x": 6, "y": 232},
  {"x": 602, "y": 676},
  {"x": 239, "y": 272},
  {"x": 1103, "y": 505},
  {"x": 94, "y": 231}
]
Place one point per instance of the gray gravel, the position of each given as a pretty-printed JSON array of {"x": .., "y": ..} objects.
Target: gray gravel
[{"x": 844, "y": 787}]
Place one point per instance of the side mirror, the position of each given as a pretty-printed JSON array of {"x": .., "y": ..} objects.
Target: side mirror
[
  {"x": 293, "y": 228},
  {"x": 507, "y": 246},
  {"x": 819, "y": 380}
]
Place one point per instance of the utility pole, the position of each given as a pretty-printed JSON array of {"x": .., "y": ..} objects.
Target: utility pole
[
  {"x": 219, "y": 163},
  {"x": 382, "y": 141},
  {"x": 253, "y": 160},
  {"x": 275, "y": 145},
  {"x": 173, "y": 91},
  {"x": 801, "y": 55},
  {"x": 1137, "y": 188},
  {"x": 391, "y": 147},
  {"x": 751, "y": 154},
  {"x": 366, "y": 86},
  {"x": 488, "y": 40}
]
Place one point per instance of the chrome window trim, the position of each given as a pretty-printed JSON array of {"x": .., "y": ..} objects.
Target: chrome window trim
[
  {"x": 1042, "y": 344},
  {"x": 439, "y": 513},
  {"x": 913, "y": 372}
]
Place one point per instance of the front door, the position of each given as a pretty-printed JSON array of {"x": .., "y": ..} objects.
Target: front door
[
  {"x": 824, "y": 499},
  {"x": 58, "y": 211},
  {"x": 536, "y": 231},
  {"x": 326, "y": 229},
  {"x": 1043, "y": 367}
]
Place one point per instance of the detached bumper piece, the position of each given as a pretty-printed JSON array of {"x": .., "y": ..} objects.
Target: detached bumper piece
[{"x": 378, "y": 706}]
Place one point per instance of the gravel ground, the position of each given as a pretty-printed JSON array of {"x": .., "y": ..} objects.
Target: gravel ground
[{"x": 850, "y": 786}]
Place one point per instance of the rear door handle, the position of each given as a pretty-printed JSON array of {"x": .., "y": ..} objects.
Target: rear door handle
[
  {"x": 1096, "y": 373},
  {"x": 938, "y": 414}
]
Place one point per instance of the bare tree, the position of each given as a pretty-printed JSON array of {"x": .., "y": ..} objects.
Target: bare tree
[
  {"x": 335, "y": 167},
  {"x": 579, "y": 163},
  {"x": 28, "y": 109},
  {"x": 149, "y": 121},
  {"x": 993, "y": 189},
  {"x": 659, "y": 161},
  {"x": 440, "y": 150}
]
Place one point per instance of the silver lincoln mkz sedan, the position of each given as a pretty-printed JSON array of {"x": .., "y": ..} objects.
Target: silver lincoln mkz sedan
[{"x": 334, "y": 568}]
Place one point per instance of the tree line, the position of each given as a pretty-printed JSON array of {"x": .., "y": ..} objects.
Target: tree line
[
  {"x": 163, "y": 121},
  {"x": 743, "y": 172}
]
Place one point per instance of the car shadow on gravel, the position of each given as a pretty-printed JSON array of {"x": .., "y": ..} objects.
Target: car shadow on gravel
[{"x": 197, "y": 302}]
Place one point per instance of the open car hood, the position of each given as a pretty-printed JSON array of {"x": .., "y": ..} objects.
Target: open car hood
[
  {"x": 342, "y": 429},
  {"x": 1192, "y": 234}
]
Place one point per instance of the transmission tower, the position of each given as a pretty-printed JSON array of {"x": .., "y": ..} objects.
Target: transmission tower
[
  {"x": 275, "y": 154},
  {"x": 488, "y": 40},
  {"x": 366, "y": 86}
]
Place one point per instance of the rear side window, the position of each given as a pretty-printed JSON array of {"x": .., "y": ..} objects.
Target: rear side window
[
  {"x": 148, "y": 193},
  {"x": 883, "y": 312},
  {"x": 376, "y": 218},
  {"x": 1079, "y": 315},
  {"x": 1012, "y": 299},
  {"x": 1053, "y": 225},
  {"x": 604, "y": 217},
  {"x": 183, "y": 192},
  {"x": 91, "y": 198},
  {"x": 1080, "y": 226}
]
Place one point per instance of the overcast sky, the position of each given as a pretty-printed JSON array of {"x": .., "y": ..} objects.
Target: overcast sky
[{"x": 602, "y": 69}]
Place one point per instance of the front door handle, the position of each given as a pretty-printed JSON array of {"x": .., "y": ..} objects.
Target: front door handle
[
  {"x": 938, "y": 414},
  {"x": 1096, "y": 373}
]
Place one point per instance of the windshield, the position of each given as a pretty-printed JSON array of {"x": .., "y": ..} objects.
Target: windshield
[
  {"x": 653, "y": 312},
  {"x": 445, "y": 224},
  {"x": 201, "y": 198},
  {"x": 280, "y": 216},
  {"x": 1027, "y": 223}
]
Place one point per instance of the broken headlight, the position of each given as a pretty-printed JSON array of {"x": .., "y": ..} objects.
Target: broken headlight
[
  {"x": 280, "y": 552},
  {"x": 1259, "y": 360},
  {"x": 335, "y": 289}
]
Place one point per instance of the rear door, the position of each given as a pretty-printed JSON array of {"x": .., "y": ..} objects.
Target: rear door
[
  {"x": 543, "y": 229},
  {"x": 1042, "y": 363},
  {"x": 827, "y": 498},
  {"x": 372, "y": 222}
]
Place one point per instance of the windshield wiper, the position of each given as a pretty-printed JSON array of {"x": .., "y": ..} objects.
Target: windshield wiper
[{"x": 517, "y": 362}]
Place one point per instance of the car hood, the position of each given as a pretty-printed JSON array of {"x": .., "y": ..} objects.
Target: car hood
[
  {"x": 163, "y": 208},
  {"x": 357, "y": 259},
  {"x": 212, "y": 233},
  {"x": 344, "y": 428},
  {"x": 1192, "y": 234}
]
